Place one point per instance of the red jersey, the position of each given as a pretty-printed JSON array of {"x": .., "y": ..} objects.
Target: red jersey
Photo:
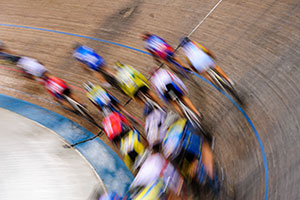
[
  {"x": 56, "y": 86},
  {"x": 113, "y": 125}
]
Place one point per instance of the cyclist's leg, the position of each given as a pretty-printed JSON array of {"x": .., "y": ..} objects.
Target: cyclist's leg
[
  {"x": 170, "y": 65},
  {"x": 176, "y": 107},
  {"x": 84, "y": 66},
  {"x": 181, "y": 63},
  {"x": 220, "y": 71},
  {"x": 189, "y": 103},
  {"x": 154, "y": 97},
  {"x": 207, "y": 159},
  {"x": 207, "y": 76},
  {"x": 139, "y": 101}
]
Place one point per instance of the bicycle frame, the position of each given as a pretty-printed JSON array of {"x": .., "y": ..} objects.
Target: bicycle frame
[
  {"x": 146, "y": 99},
  {"x": 219, "y": 81},
  {"x": 82, "y": 110},
  {"x": 189, "y": 114}
]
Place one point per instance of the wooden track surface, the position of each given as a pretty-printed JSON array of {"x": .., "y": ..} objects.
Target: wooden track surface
[{"x": 256, "y": 42}]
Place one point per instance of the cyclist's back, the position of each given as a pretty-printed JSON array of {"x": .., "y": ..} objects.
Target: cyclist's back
[
  {"x": 56, "y": 87},
  {"x": 153, "y": 126},
  {"x": 157, "y": 167},
  {"x": 132, "y": 148},
  {"x": 197, "y": 56},
  {"x": 158, "y": 47},
  {"x": 89, "y": 57},
  {"x": 130, "y": 80},
  {"x": 99, "y": 96},
  {"x": 115, "y": 125},
  {"x": 31, "y": 66},
  {"x": 164, "y": 80}
]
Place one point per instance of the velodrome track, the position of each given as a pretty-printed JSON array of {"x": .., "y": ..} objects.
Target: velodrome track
[{"x": 256, "y": 42}]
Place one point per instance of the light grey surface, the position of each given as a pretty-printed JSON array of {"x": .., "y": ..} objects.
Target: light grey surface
[{"x": 34, "y": 164}]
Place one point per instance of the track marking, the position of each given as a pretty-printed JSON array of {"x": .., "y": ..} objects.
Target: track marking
[{"x": 196, "y": 27}]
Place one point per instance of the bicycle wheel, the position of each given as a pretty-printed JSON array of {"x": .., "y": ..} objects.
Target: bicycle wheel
[
  {"x": 233, "y": 93},
  {"x": 84, "y": 112},
  {"x": 195, "y": 121}
]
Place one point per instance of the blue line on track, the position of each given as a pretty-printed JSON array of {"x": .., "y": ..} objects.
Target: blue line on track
[
  {"x": 76, "y": 35},
  {"x": 141, "y": 51}
]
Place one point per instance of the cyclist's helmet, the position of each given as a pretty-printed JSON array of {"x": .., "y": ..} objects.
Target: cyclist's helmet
[
  {"x": 88, "y": 86},
  {"x": 118, "y": 65},
  {"x": 184, "y": 40},
  {"x": 76, "y": 45},
  {"x": 145, "y": 35}
]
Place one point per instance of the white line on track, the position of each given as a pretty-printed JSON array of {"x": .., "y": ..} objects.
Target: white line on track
[{"x": 196, "y": 27}]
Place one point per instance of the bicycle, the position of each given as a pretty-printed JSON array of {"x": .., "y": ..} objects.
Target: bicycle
[
  {"x": 81, "y": 110},
  {"x": 191, "y": 116},
  {"x": 149, "y": 102},
  {"x": 221, "y": 83}
]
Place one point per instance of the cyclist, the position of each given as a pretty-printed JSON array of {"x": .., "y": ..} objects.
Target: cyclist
[
  {"x": 115, "y": 125},
  {"x": 30, "y": 67},
  {"x": 155, "y": 176},
  {"x": 58, "y": 88},
  {"x": 165, "y": 83},
  {"x": 154, "y": 120},
  {"x": 161, "y": 50},
  {"x": 125, "y": 137},
  {"x": 200, "y": 59},
  {"x": 191, "y": 153},
  {"x": 133, "y": 150},
  {"x": 133, "y": 83},
  {"x": 89, "y": 59},
  {"x": 101, "y": 97}
]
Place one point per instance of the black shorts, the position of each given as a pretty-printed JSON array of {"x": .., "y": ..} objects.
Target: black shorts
[
  {"x": 144, "y": 89},
  {"x": 177, "y": 91},
  {"x": 9, "y": 57}
]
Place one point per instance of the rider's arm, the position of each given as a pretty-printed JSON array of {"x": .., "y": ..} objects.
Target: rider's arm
[{"x": 84, "y": 66}]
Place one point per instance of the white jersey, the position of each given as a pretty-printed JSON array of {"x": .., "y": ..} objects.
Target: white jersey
[
  {"x": 161, "y": 78},
  {"x": 153, "y": 123},
  {"x": 31, "y": 66},
  {"x": 197, "y": 57},
  {"x": 154, "y": 167}
]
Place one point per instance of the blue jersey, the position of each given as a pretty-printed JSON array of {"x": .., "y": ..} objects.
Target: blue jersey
[
  {"x": 180, "y": 136},
  {"x": 89, "y": 57},
  {"x": 99, "y": 96}
]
